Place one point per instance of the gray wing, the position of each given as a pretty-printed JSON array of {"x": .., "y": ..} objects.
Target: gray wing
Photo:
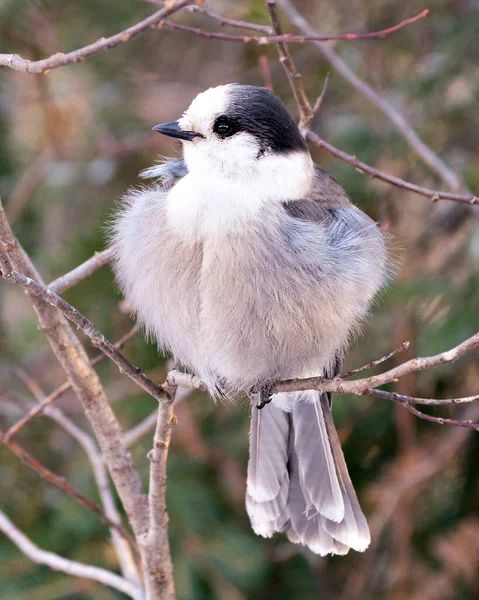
[
  {"x": 325, "y": 198},
  {"x": 170, "y": 171}
]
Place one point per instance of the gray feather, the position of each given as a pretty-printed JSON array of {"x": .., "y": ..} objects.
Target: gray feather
[
  {"x": 317, "y": 469},
  {"x": 303, "y": 528},
  {"x": 321, "y": 534},
  {"x": 170, "y": 171},
  {"x": 268, "y": 478},
  {"x": 268, "y": 452},
  {"x": 353, "y": 530}
]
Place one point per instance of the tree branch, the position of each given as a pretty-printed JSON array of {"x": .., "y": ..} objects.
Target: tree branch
[
  {"x": 58, "y": 563},
  {"x": 368, "y": 385},
  {"x": 418, "y": 146},
  {"x": 434, "y": 195},
  {"x": 86, "y": 385},
  {"x": 16, "y": 62},
  {"x": 36, "y": 410},
  {"x": 280, "y": 37},
  {"x": 86, "y": 441},
  {"x": 66, "y": 487},
  {"x": 219, "y": 18},
  {"x": 157, "y": 539},
  {"x": 378, "y": 361},
  {"x": 67, "y": 281},
  {"x": 306, "y": 113},
  {"x": 95, "y": 336}
]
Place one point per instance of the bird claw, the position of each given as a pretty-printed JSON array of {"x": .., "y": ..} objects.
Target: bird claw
[{"x": 265, "y": 396}]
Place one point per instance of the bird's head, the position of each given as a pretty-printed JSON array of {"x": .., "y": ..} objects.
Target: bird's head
[{"x": 237, "y": 131}]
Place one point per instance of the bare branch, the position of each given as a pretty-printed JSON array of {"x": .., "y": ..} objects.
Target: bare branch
[
  {"x": 219, "y": 18},
  {"x": 141, "y": 429},
  {"x": 306, "y": 114},
  {"x": 36, "y": 410},
  {"x": 157, "y": 539},
  {"x": 441, "y": 420},
  {"x": 362, "y": 386},
  {"x": 320, "y": 98},
  {"x": 266, "y": 71},
  {"x": 62, "y": 484},
  {"x": 435, "y": 195},
  {"x": 401, "y": 398},
  {"x": 86, "y": 441},
  {"x": 58, "y": 563},
  {"x": 67, "y": 281},
  {"x": 16, "y": 62},
  {"x": 97, "y": 339},
  {"x": 378, "y": 361},
  {"x": 402, "y": 126},
  {"x": 86, "y": 385},
  {"x": 280, "y": 37},
  {"x": 177, "y": 378},
  {"x": 407, "y": 402},
  {"x": 368, "y": 385},
  {"x": 149, "y": 422}
]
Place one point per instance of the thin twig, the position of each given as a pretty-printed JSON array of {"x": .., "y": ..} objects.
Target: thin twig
[
  {"x": 148, "y": 424},
  {"x": 122, "y": 548},
  {"x": 219, "y": 18},
  {"x": 434, "y": 195},
  {"x": 16, "y": 62},
  {"x": 62, "y": 484},
  {"x": 67, "y": 281},
  {"x": 408, "y": 401},
  {"x": 306, "y": 114},
  {"x": 367, "y": 385},
  {"x": 403, "y": 127},
  {"x": 87, "y": 386},
  {"x": 141, "y": 429},
  {"x": 441, "y": 420},
  {"x": 378, "y": 361},
  {"x": 71, "y": 567},
  {"x": 36, "y": 410},
  {"x": 319, "y": 101},
  {"x": 402, "y": 399},
  {"x": 95, "y": 336},
  {"x": 157, "y": 539},
  {"x": 280, "y": 37},
  {"x": 266, "y": 71}
]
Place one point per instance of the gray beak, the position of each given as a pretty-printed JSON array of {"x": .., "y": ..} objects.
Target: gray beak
[{"x": 174, "y": 130}]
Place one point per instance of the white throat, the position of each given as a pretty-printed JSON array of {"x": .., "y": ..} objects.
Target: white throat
[{"x": 212, "y": 201}]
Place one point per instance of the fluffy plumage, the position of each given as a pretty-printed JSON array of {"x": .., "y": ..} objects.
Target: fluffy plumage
[{"x": 250, "y": 265}]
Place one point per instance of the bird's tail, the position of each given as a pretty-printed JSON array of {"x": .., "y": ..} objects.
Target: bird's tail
[{"x": 298, "y": 481}]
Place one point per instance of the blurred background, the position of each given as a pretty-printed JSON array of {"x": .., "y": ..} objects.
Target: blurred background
[{"x": 73, "y": 140}]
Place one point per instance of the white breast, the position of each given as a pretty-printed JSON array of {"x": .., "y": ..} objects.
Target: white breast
[
  {"x": 200, "y": 207},
  {"x": 209, "y": 203}
]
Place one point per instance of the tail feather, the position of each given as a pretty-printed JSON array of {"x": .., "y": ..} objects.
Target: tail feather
[
  {"x": 268, "y": 477},
  {"x": 317, "y": 470},
  {"x": 298, "y": 480},
  {"x": 353, "y": 530},
  {"x": 301, "y": 528}
]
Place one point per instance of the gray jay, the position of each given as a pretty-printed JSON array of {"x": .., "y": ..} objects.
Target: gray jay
[{"x": 250, "y": 264}]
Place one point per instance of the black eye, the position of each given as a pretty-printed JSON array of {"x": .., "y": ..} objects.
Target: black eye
[{"x": 225, "y": 127}]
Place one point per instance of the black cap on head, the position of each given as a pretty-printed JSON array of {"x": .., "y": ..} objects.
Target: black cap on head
[{"x": 259, "y": 112}]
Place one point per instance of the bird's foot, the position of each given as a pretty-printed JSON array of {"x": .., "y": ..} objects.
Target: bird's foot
[{"x": 265, "y": 395}]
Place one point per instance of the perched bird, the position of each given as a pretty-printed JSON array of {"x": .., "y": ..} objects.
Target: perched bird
[{"x": 250, "y": 265}]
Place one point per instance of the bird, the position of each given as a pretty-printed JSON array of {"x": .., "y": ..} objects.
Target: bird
[{"x": 249, "y": 264}]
